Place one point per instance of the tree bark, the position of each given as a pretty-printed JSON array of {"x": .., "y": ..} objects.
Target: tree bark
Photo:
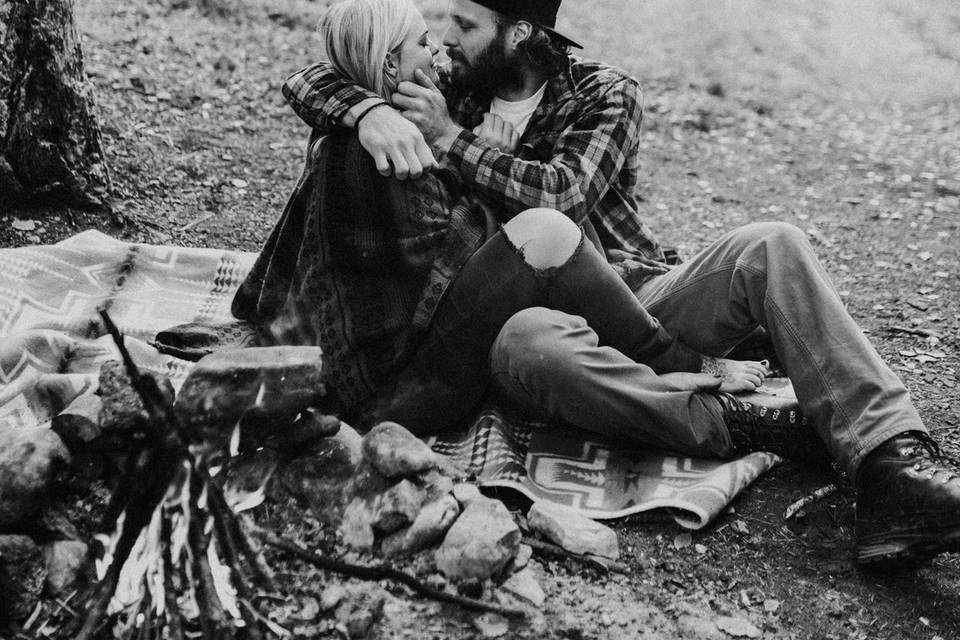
[{"x": 50, "y": 146}]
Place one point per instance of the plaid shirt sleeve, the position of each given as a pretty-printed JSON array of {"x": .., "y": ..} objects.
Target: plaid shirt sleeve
[
  {"x": 321, "y": 96},
  {"x": 586, "y": 158}
]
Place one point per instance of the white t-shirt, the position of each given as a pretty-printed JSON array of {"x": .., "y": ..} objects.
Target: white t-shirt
[{"x": 517, "y": 113}]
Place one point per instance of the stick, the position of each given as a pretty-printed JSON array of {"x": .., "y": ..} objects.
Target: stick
[
  {"x": 170, "y": 597},
  {"x": 923, "y": 333},
  {"x": 551, "y": 550},
  {"x": 211, "y": 610},
  {"x": 218, "y": 504},
  {"x": 381, "y": 572},
  {"x": 231, "y": 555},
  {"x": 807, "y": 500}
]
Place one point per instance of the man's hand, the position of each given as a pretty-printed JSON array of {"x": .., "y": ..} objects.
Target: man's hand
[
  {"x": 498, "y": 133},
  {"x": 422, "y": 104},
  {"x": 393, "y": 140},
  {"x": 634, "y": 268}
]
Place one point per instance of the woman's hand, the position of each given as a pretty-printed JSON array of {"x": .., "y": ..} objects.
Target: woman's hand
[
  {"x": 498, "y": 133},
  {"x": 737, "y": 375}
]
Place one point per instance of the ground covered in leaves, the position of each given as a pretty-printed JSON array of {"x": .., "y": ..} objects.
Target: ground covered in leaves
[{"x": 842, "y": 118}]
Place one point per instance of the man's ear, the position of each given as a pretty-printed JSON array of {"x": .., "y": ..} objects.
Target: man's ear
[{"x": 521, "y": 31}]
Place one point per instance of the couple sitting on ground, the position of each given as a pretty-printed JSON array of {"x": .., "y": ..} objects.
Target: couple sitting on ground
[{"x": 507, "y": 249}]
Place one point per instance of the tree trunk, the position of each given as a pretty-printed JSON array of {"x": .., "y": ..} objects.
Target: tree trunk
[{"x": 50, "y": 146}]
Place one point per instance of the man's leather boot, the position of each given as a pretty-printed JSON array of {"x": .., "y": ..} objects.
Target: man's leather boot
[
  {"x": 785, "y": 432},
  {"x": 908, "y": 504}
]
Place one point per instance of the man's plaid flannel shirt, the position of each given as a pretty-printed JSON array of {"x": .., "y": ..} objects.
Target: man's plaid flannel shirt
[{"x": 579, "y": 153}]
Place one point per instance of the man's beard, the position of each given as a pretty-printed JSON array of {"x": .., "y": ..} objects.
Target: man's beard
[{"x": 493, "y": 69}]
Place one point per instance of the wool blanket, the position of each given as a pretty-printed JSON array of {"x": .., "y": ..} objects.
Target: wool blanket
[{"x": 52, "y": 346}]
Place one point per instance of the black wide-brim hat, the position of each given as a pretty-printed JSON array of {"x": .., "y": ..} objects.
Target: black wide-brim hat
[{"x": 542, "y": 13}]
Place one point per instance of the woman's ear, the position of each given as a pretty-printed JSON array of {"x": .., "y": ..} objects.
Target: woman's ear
[{"x": 391, "y": 70}]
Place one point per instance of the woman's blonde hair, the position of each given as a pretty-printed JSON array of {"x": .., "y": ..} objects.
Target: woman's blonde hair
[{"x": 358, "y": 35}]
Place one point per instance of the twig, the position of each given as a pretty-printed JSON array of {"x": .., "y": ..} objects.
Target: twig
[
  {"x": 923, "y": 333},
  {"x": 211, "y": 609},
  {"x": 382, "y": 572},
  {"x": 33, "y": 616},
  {"x": 196, "y": 221},
  {"x": 232, "y": 527},
  {"x": 807, "y": 500},
  {"x": 170, "y": 597},
  {"x": 229, "y": 549},
  {"x": 551, "y": 550}
]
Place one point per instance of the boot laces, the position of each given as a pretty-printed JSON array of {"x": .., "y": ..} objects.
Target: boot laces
[{"x": 929, "y": 457}]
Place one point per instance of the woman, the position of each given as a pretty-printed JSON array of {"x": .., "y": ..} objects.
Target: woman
[{"x": 403, "y": 285}]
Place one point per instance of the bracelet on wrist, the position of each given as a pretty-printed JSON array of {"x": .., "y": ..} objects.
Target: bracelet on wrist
[{"x": 356, "y": 122}]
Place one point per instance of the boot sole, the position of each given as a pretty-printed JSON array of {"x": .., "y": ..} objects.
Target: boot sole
[{"x": 905, "y": 554}]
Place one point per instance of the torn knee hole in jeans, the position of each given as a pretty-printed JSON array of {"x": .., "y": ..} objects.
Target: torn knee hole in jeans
[{"x": 546, "y": 272}]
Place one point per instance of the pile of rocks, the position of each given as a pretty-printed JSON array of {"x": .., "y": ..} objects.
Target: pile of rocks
[
  {"x": 40, "y": 551},
  {"x": 389, "y": 493}
]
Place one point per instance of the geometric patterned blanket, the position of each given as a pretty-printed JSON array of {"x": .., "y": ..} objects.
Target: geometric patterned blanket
[{"x": 52, "y": 346}]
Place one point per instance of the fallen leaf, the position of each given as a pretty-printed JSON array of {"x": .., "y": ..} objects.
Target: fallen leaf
[
  {"x": 740, "y": 525},
  {"x": 737, "y": 627},
  {"x": 699, "y": 548},
  {"x": 24, "y": 225},
  {"x": 682, "y": 541},
  {"x": 771, "y": 605},
  {"x": 238, "y": 183}
]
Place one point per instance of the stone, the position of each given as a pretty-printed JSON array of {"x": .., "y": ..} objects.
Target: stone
[
  {"x": 396, "y": 453},
  {"x": 63, "y": 560},
  {"x": 310, "y": 426},
  {"x": 32, "y": 460},
  {"x": 356, "y": 527},
  {"x": 524, "y": 585},
  {"x": 737, "y": 627},
  {"x": 79, "y": 423},
  {"x": 323, "y": 473},
  {"x": 573, "y": 531},
  {"x": 466, "y": 493},
  {"x": 491, "y": 625},
  {"x": 272, "y": 383},
  {"x": 480, "y": 543},
  {"x": 121, "y": 407},
  {"x": 367, "y": 482},
  {"x": 22, "y": 576},
  {"x": 435, "y": 483},
  {"x": 524, "y": 553},
  {"x": 397, "y": 507},
  {"x": 430, "y": 525}
]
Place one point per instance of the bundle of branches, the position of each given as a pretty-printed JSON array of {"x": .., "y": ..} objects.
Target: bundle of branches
[{"x": 175, "y": 558}]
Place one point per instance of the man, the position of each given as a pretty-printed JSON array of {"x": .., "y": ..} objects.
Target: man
[{"x": 577, "y": 127}]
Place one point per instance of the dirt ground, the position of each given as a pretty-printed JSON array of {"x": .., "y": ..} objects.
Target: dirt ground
[{"x": 842, "y": 117}]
